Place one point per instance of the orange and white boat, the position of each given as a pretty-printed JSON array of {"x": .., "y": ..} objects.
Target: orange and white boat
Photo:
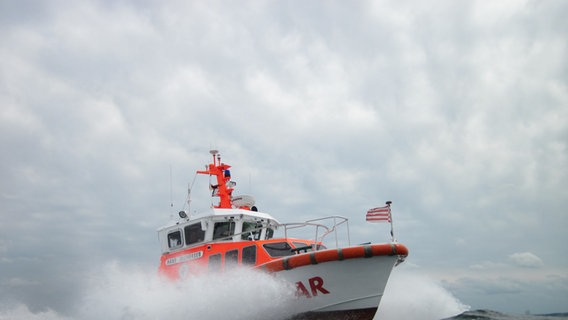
[{"x": 340, "y": 282}]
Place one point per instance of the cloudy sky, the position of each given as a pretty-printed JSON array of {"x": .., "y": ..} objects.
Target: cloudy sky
[{"x": 457, "y": 111}]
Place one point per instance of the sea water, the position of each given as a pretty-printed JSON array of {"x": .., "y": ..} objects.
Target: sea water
[
  {"x": 494, "y": 315},
  {"x": 116, "y": 292}
]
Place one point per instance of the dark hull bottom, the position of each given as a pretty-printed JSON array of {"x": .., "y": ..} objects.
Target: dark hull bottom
[{"x": 359, "y": 314}]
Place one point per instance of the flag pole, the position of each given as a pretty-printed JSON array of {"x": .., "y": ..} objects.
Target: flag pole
[{"x": 388, "y": 203}]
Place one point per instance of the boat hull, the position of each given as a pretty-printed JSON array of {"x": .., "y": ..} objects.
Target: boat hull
[
  {"x": 358, "y": 314},
  {"x": 349, "y": 286}
]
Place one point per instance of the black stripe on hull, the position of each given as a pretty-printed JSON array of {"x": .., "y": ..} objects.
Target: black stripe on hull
[{"x": 358, "y": 314}]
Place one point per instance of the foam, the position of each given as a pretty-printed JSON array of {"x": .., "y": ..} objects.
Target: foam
[
  {"x": 411, "y": 295},
  {"x": 115, "y": 292},
  {"x": 238, "y": 294},
  {"x": 126, "y": 293}
]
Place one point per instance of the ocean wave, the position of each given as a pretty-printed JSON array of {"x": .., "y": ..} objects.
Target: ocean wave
[{"x": 495, "y": 315}]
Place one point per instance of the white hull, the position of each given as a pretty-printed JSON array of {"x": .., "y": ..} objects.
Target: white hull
[{"x": 341, "y": 288}]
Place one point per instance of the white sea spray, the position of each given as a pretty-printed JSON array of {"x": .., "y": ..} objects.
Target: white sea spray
[
  {"x": 116, "y": 292},
  {"x": 411, "y": 295}
]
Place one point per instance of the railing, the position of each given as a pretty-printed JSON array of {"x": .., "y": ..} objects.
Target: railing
[{"x": 322, "y": 229}]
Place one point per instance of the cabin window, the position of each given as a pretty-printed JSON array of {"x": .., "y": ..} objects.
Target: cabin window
[
  {"x": 249, "y": 255},
  {"x": 174, "y": 239},
  {"x": 215, "y": 262},
  {"x": 278, "y": 249},
  {"x": 269, "y": 233},
  {"x": 194, "y": 234},
  {"x": 232, "y": 257},
  {"x": 302, "y": 247},
  {"x": 251, "y": 231},
  {"x": 223, "y": 230}
]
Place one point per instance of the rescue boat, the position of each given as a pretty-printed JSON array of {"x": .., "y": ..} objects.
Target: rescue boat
[{"x": 334, "y": 279}]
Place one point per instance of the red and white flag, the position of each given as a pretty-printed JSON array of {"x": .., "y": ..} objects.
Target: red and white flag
[{"x": 379, "y": 214}]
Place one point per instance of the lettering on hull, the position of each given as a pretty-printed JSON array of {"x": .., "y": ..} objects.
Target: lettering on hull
[
  {"x": 184, "y": 258},
  {"x": 315, "y": 285}
]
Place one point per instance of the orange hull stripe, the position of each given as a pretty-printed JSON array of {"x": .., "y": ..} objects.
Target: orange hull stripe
[{"x": 316, "y": 257}]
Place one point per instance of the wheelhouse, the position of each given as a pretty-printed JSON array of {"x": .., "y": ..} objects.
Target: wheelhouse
[{"x": 217, "y": 225}]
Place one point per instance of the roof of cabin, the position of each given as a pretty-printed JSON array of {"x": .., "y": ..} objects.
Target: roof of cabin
[{"x": 221, "y": 212}]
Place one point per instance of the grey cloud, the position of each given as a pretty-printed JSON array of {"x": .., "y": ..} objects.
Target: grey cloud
[
  {"x": 453, "y": 111},
  {"x": 526, "y": 259}
]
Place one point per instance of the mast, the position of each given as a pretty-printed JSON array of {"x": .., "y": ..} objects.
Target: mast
[{"x": 224, "y": 187}]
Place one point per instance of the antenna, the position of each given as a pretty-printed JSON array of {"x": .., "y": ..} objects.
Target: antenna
[
  {"x": 189, "y": 187},
  {"x": 171, "y": 189}
]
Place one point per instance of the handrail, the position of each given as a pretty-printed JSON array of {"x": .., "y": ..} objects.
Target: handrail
[
  {"x": 328, "y": 229},
  {"x": 334, "y": 229}
]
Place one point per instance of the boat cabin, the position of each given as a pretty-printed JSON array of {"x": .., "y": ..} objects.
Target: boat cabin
[
  {"x": 222, "y": 238},
  {"x": 217, "y": 225}
]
